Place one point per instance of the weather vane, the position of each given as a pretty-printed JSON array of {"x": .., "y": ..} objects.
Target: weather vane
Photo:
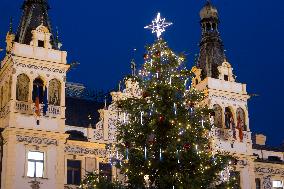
[{"x": 158, "y": 25}]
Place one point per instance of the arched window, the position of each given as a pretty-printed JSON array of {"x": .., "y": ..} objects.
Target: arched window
[
  {"x": 22, "y": 88},
  {"x": 54, "y": 92},
  {"x": 38, "y": 90},
  {"x": 241, "y": 120},
  {"x": 218, "y": 122},
  {"x": 229, "y": 119}
]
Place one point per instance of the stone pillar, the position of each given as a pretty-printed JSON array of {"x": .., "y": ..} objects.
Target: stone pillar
[
  {"x": 9, "y": 160},
  {"x": 60, "y": 163}
]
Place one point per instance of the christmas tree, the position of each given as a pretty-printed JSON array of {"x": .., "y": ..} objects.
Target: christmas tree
[{"x": 165, "y": 134}]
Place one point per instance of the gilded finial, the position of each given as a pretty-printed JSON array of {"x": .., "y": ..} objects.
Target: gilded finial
[{"x": 11, "y": 25}]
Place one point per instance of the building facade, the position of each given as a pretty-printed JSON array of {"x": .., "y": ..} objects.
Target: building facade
[{"x": 49, "y": 141}]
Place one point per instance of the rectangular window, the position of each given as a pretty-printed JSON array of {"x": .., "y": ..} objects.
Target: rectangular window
[
  {"x": 73, "y": 172},
  {"x": 277, "y": 184},
  {"x": 258, "y": 183},
  {"x": 226, "y": 77},
  {"x": 35, "y": 164},
  {"x": 40, "y": 43},
  {"x": 106, "y": 171}
]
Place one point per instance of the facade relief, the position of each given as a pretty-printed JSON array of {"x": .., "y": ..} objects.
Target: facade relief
[
  {"x": 54, "y": 92},
  {"x": 22, "y": 88},
  {"x": 36, "y": 140}
]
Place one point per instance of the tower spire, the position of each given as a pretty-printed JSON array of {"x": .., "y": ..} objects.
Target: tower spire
[
  {"x": 35, "y": 13},
  {"x": 212, "y": 52}
]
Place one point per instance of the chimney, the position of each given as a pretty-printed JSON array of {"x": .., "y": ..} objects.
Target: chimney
[{"x": 260, "y": 139}]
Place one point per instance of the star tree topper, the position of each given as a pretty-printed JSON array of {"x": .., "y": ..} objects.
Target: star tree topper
[{"x": 158, "y": 25}]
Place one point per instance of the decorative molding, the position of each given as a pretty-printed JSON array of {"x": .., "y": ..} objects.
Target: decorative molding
[
  {"x": 270, "y": 171},
  {"x": 37, "y": 140},
  {"x": 41, "y": 68},
  {"x": 103, "y": 153},
  {"x": 225, "y": 98}
]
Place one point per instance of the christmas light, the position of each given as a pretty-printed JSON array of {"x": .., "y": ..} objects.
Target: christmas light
[{"x": 158, "y": 25}]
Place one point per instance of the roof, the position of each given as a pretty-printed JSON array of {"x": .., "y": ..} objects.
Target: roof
[
  {"x": 267, "y": 148},
  {"x": 212, "y": 52},
  {"x": 35, "y": 13},
  {"x": 82, "y": 112}
]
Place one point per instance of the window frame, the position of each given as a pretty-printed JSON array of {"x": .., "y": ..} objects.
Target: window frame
[
  {"x": 73, "y": 170},
  {"x": 35, "y": 164}
]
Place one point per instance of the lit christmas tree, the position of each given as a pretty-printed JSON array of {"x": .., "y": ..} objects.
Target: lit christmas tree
[{"x": 165, "y": 133}]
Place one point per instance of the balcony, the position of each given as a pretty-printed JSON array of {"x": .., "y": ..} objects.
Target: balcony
[
  {"x": 231, "y": 135},
  {"x": 29, "y": 108}
]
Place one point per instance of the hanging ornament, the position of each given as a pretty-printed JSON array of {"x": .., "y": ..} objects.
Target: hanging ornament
[
  {"x": 146, "y": 56},
  {"x": 202, "y": 123},
  {"x": 175, "y": 108},
  {"x": 127, "y": 145},
  {"x": 145, "y": 152},
  {"x": 178, "y": 156},
  {"x": 158, "y": 54},
  {"x": 161, "y": 119},
  {"x": 141, "y": 117},
  {"x": 127, "y": 154},
  {"x": 151, "y": 139},
  {"x": 186, "y": 146},
  {"x": 161, "y": 158}
]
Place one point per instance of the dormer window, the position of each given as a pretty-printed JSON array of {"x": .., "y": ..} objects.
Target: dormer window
[
  {"x": 40, "y": 43},
  {"x": 226, "y": 77}
]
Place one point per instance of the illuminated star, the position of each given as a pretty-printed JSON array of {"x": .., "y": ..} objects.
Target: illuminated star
[{"x": 158, "y": 25}]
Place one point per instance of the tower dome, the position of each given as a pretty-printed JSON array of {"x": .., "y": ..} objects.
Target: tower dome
[{"x": 208, "y": 11}]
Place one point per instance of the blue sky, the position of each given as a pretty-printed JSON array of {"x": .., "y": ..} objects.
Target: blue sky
[{"x": 101, "y": 35}]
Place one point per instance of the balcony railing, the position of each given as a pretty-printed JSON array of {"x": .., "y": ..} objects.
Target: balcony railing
[
  {"x": 231, "y": 134},
  {"x": 29, "y": 108}
]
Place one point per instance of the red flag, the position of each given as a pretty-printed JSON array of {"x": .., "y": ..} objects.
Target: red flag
[
  {"x": 240, "y": 128},
  {"x": 37, "y": 107}
]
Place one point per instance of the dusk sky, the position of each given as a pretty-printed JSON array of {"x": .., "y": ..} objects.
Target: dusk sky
[{"x": 101, "y": 35}]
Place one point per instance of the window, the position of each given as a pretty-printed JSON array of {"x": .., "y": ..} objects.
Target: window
[
  {"x": 226, "y": 77},
  {"x": 35, "y": 164},
  {"x": 38, "y": 90},
  {"x": 277, "y": 184},
  {"x": 105, "y": 170},
  {"x": 22, "y": 89},
  {"x": 257, "y": 183},
  {"x": 54, "y": 92},
  {"x": 274, "y": 158},
  {"x": 40, "y": 43},
  {"x": 73, "y": 172}
]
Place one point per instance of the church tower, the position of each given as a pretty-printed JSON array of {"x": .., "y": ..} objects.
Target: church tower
[
  {"x": 227, "y": 97},
  {"x": 32, "y": 103}
]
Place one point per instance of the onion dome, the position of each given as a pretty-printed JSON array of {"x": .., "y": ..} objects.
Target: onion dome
[{"x": 208, "y": 11}]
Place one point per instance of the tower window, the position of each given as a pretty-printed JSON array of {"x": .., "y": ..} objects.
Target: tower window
[
  {"x": 226, "y": 77},
  {"x": 73, "y": 172},
  {"x": 38, "y": 90},
  {"x": 35, "y": 164},
  {"x": 40, "y": 43},
  {"x": 208, "y": 27}
]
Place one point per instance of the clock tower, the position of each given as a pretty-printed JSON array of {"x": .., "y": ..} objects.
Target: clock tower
[{"x": 225, "y": 95}]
